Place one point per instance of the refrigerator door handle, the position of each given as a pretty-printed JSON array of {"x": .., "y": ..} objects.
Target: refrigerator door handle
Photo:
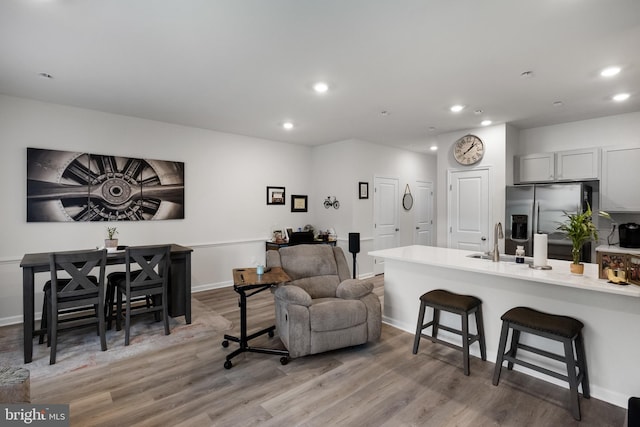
[{"x": 536, "y": 219}]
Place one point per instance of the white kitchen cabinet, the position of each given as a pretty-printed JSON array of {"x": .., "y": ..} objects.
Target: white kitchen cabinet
[
  {"x": 536, "y": 168},
  {"x": 620, "y": 184},
  {"x": 578, "y": 165}
]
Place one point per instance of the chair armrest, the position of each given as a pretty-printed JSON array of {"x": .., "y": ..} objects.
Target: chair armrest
[
  {"x": 293, "y": 295},
  {"x": 354, "y": 289}
]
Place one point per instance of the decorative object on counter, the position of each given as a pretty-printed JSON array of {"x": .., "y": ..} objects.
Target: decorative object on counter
[
  {"x": 520, "y": 254},
  {"x": 277, "y": 236},
  {"x": 331, "y": 201},
  {"x": 540, "y": 242},
  {"x": 580, "y": 229},
  {"x": 298, "y": 203},
  {"x": 363, "y": 188},
  {"x": 407, "y": 199},
  {"x": 111, "y": 243},
  {"x": 614, "y": 261},
  {"x": 275, "y": 195}
]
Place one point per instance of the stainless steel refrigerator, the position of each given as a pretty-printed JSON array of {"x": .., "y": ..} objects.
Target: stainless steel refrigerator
[{"x": 540, "y": 208}]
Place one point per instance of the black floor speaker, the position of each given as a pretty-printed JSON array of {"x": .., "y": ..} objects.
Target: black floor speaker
[{"x": 354, "y": 243}]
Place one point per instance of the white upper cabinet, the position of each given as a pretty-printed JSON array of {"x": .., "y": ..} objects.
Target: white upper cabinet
[
  {"x": 620, "y": 184},
  {"x": 535, "y": 168},
  {"x": 573, "y": 165},
  {"x": 578, "y": 165}
]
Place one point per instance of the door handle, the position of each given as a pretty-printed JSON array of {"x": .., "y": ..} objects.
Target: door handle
[
  {"x": 417, "y": 228},
  {"x": 397, "y": 229},
  {"x": 483, "y": 238}
]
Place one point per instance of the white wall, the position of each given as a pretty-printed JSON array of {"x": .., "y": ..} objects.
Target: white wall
[
  {"x": 495, "y": 139},
  {"x": 339, "y": 167},
  {"x": 226, "y": 217}
]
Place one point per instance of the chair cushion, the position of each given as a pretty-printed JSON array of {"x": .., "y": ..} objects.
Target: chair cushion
[
  {"x": 563, "y": 326},
  {"x": 451, "y": 300},
  {"x": 329, "y": 314},
  {"x": 308, "y": 260},
  {"x": 318, "y": 286}
]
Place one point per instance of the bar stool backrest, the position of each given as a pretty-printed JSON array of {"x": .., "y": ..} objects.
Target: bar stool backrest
[{"x": 80, "y": 289}]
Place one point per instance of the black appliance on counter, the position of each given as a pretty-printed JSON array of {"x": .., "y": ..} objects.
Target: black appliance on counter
[
  {"x": 540, "y": 208},
  {"x": 629, "y": 235}
]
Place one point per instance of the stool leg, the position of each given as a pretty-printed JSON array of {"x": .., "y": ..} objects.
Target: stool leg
[
  {"x": 480, "y": 328},
  {"x": 416, "y": 340},
  {"x": 436, "y": 323},
  {"x": 582, "y": 365},
  {"x": 465, "y": 342},
  {"x": 573, "y": 380},
  {"x": 515, "y": 340},
  {"x": 501, "y": 347}
]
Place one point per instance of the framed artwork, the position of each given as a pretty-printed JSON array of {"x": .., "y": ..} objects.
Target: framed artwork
[
  {"x": 363, "y": 192},
  {"x": 65, "y": 186},
  {"x": 298, "y": 203},
  {"x": 611, "y": 260},
  {"x": 275, "y": 195},
  {"x": 634, "y": 269}
]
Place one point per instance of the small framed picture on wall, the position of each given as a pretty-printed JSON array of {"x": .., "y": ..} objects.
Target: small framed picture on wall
[
  {"x": 298, "y": 203},
  {"x": 275, "y": 195},
  {"x": 363, "y": 190}
]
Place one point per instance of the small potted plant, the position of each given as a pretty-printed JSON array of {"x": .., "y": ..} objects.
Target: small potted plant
[
  {"x": 580, "y": 229},
  {"x": 111, "y": 241}
]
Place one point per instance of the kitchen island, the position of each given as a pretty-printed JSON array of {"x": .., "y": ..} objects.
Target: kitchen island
[{"x": 610, "y": 313}]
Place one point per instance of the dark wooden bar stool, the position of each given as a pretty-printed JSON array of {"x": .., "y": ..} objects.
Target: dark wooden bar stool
[
  {"x": 564, "y": 329},
  {"x": 464, "y": 305}
]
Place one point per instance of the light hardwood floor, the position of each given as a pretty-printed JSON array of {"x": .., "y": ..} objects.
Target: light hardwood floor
[{"x": 380, "y": 384}]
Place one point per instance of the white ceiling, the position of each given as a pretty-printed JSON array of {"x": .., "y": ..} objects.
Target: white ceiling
[{"x": 245, "y": 66}]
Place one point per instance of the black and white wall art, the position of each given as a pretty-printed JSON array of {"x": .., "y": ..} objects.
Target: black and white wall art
[{"x": 64, "y": 186}]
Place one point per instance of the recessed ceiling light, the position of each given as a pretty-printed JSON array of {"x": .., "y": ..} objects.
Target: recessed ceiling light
[
  {"x": 321, "y": 87},
  {"x": 621, "y": 97},
  {"x": 478, "y": 112},
  {"x": 457, "y": 108},
  {"x": 526, "y": 74},
  {"x": 384, "y": 113},
  {"x": 610, "y": 71},
  {"x": 486, "y": 122},
  {"x": 287, "y": 125},
  {"x": 45, "y": 75},
  {"x": 558, "y": 104},
  {"x": 433, "y": 148},
  {"x": 431, "y": 129}
]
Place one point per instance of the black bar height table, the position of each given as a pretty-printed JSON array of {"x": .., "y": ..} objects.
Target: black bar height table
[
  {"x": 179, "y": 287},
  {"x": 247, "y": 282}
]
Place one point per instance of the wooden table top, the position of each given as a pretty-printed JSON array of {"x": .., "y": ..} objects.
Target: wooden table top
[{"x": 247, "y": 277}]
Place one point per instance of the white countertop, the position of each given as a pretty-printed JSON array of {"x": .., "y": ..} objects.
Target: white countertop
[
  {"x": 458, "y": 259},
  {"x": 617, "y": 250}
]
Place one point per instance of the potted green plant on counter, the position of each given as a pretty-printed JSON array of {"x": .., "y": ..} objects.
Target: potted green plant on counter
[
  {"x": 111, "y": 241},
  {"x": 580, "y": 228}
]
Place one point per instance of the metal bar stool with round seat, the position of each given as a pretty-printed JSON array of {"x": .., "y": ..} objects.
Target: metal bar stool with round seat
[
  {"x": 463, "y": 305},
  {"x": 564, "y": 329}
]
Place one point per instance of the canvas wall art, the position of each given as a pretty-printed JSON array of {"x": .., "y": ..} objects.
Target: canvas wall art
[{"x": 64, "y": 186}]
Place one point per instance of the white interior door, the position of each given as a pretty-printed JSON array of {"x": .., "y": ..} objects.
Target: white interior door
[
  {"x": 385, "y": 216},
  {"x": 469, "y": 202},
  {"x": 423, "y": 205}
]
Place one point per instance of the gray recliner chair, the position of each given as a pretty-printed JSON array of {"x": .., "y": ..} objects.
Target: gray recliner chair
[{"x": 322, "y": 308}]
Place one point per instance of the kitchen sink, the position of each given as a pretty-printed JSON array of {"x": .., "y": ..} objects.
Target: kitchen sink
[{"x": 503, "y": 257}]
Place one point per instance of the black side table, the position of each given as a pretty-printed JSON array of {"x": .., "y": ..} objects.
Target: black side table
[{"x": 247, "y": 282}]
